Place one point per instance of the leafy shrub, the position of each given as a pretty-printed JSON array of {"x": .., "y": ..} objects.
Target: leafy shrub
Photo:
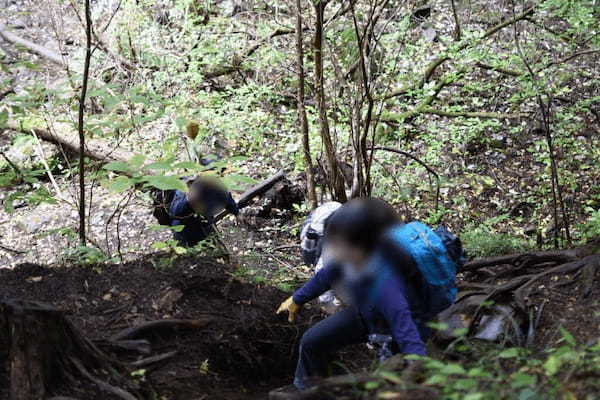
[
  {"x": 591, "y": 228},
  {"x": 482, "y": 241}
]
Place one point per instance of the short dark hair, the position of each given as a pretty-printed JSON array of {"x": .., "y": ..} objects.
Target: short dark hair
[{"x": 361, "y": 222}]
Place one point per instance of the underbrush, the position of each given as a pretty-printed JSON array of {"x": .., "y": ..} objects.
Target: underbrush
[
  {"x": 482, "y": 241},
  {"x": 476, "y": 372}
]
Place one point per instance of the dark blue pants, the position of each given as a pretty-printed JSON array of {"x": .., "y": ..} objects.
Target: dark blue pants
[{"x": 326, "y": 337}]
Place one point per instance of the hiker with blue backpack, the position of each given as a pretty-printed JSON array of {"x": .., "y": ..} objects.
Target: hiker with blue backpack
[{"x": 398, "y": 277}]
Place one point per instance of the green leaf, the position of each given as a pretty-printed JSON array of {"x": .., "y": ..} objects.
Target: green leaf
[
  {"x": 460, "y": 332},
  {"x": 474, "y": 396},
  {"x": 137, "y": 161},
  {"x": 189, "y": 165},
  {"x": 465, "y": 384},
  {"x": 521, "y": 379},
  {"x": 177, "y": 228},
  {"x": 509, "y": 353},
  {"x": 241, "y": 179},
  {"x": 453, "y": 369},
  {"x": 120, "y": 184},
  {"x": 436, "y": 380},
  {"x": 159, "y": 165},
  {"x": 390, "y": 376},
  {"x": 159, "y": 245},
  {"x": 139, "y": 99},
  {"x": 179, "y": 250},
  {"x": 568, "y": 337},
  {"x": 552, "y": 365},
  {"x": 527, "y": 394},
  {"x": 371, "y": 385},
  {"x": 438, "y": 326},
  {"x": 111, "y": 102},
  {"x": 478, "y": 373},
  {"x": 163, "y": 182},
  {"x": 390, "y": 395},
  {"x": 138, "y": 373},
  {"x": 118, "y": 166},
  {"x": 157, "y": 227}
]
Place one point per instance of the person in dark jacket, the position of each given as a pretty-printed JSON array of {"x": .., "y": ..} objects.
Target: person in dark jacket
[
  {"x": 196, "y": 209},
  {"x": 380, "y": 280}
]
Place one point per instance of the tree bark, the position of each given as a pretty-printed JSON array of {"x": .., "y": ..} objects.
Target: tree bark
[
  {"x": 95, "y": 149},
  {"x": 311, "y": 193},
  {"x": 45, "y": 350},
  {"x": 335, "y": 178},
  {"x": 80, "y": 123}
]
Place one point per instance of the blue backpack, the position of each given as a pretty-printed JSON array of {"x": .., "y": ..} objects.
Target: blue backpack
[{"x": 438, "y": 256}]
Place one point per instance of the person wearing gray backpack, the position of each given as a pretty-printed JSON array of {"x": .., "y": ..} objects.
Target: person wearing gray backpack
[{"x": 398, "y": 276}]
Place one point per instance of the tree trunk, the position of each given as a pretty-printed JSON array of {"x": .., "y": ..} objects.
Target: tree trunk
[
  {"x": 311, "y": 193},
  {"x": 335, "y": 178},
  {"x": 46, "y": 351}
]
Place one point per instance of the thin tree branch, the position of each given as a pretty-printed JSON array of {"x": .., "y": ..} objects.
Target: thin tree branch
[
  {"x": 81, "y": 128},
  {"x": 420, "y": 162},
  {"x": 431, "y": 68}
]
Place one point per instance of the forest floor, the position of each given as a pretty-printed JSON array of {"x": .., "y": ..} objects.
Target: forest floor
[
  {"x": 244, "y": 352},
  {"x": 500, "y": 185}
]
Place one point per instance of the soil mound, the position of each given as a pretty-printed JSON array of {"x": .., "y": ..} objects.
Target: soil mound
[{"x": 243, "y": 352}]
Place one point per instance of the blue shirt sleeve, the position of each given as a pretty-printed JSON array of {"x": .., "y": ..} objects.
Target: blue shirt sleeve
[
  {"x": 318, "y": 284},
  {"x": 180, "y": 207},
  {"x": 395, "y": 309}
]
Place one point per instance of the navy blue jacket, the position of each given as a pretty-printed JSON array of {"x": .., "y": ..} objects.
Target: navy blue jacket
[
  {"x": 387, "y": 301},
  {"x": 198, "y": 227}
]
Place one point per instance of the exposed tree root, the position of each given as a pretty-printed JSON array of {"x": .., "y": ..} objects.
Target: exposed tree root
[
  {"x": 153, "y": 360},
  {"x": 148, "y": 327},
  {"x": 524, "y": 278},
  {"x": 46, "y": 351}
]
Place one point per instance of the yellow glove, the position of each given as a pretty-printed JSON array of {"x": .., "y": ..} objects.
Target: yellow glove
[{"x": 291, "y": 307}]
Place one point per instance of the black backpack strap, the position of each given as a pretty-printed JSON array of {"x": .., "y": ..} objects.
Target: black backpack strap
[{"x": 161, "y": 200}]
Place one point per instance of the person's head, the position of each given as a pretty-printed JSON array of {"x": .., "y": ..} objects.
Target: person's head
[
  {"x": 354, "y": 231},
  {"x": 203, "y": 190}
]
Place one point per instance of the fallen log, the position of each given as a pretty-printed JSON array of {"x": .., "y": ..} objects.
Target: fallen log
[
  {"x": 33, "y": 47},
  {"x": 253, "y": 192},
  {"x": 45, "y": 350},
  {"x": 145, "y": 328},
  {"x": 101, "y": 151},
  {"x": 95, "y": 149}
]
